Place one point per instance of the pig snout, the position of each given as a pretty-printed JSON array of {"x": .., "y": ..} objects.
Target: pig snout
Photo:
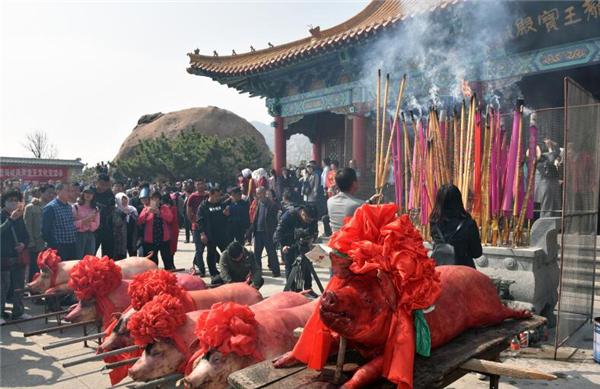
[
  {"x": 211, "y": 371},
  {"x": 82, "y": 311},
  {"x": 74, "y": 315},
  {"x": 328, "y": 299},
  {"x": 159, "y": 359}
]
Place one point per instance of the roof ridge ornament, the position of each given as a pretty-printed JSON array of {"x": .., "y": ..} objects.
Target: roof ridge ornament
[
  {"x": 252, "y": 49},
  {"x": 215, "y": 54},
  {"x": 270, "y": 45},
  {"x": 197, "y": 51},
  {"x": 315, "y": 31},
  {"x": 233, "y": 52}
]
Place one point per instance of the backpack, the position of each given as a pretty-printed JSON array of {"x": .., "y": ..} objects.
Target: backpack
[{"x": 443, "y": 252}]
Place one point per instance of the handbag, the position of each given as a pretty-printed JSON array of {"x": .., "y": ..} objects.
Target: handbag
[
  {"x": 443, "y": 252},
  {"x": 23, "y": 256}
]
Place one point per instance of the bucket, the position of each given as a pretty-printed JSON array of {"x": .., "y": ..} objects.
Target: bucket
[{"x": 597, "y": 340}]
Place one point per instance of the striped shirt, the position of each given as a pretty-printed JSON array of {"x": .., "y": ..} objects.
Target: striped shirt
[{"x": 58, "y": 223}]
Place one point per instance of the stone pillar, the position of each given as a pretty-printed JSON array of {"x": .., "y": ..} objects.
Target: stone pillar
[
  {"x": 359, "y": 141},
  {"x": 279, "y": 159}
]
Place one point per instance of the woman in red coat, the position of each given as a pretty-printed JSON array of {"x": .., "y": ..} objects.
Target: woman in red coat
[{"x": 157, "y": 233}]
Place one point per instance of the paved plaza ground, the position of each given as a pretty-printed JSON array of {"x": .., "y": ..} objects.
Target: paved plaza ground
[{"x": 23, "y": 363}]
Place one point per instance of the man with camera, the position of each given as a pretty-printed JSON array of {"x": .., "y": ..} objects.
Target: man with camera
[{"x": 296, "y": 231}]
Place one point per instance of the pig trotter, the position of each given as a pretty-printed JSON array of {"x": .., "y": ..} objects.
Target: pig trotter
[
  {"x": 287, "y": 360},
  {"x": 366, "y": 374}
]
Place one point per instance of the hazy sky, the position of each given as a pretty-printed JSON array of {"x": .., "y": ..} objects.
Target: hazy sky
[{"x": 85, "y": 72}]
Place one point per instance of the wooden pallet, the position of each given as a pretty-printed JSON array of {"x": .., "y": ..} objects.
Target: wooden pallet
[{"x": 437, "y": 371}]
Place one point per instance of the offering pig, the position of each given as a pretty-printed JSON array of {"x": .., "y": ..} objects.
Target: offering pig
[
  {"x": 89, "y": 308},
  {"x": 54, "y": 274},
  {"x": 264, "y": 335},
  {"x": 168, "y": 336},
  {"x": 386, "y": 270},
  {"x": 142, "y": 292}
]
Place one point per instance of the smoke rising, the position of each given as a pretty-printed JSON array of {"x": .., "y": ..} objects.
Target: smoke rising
[{"x": 438, "y": 50}]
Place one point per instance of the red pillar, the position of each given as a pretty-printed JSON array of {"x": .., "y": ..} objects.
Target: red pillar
[
  {"x": 279, "y": 160},
  {"x": 316, "y": 150},
  {"x": 359, "y": 146}
]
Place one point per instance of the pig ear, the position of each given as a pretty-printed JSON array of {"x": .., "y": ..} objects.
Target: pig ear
[{"x": 388, "y": 288}]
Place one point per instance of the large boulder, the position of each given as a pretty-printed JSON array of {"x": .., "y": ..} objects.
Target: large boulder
[{"x": 207, "y": 120}]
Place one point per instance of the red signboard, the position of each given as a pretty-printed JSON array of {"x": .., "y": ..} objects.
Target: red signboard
[{"x": 33, "y": 173}]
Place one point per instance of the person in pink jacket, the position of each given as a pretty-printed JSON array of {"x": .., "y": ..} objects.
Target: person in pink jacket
[
  {"x": 157, "y": 235},
  {"x": 87, "y": 220}
]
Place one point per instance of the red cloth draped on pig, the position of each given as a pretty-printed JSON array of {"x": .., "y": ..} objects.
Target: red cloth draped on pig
[{"x": 379, "y": 259}]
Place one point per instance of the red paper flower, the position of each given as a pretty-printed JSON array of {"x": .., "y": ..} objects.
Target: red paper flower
[
  {"x": 157, "y": 320},
  {"x": 229, "y": 328},
  {"x": 48, "y": 260},
  {"x": 376, "y": 239},
  {"x": 94, "y": 277},
  {"x": 145, "y": 286}
]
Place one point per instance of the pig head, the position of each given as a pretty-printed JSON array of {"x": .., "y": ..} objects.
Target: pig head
[
  {"x": 211, "y": 371},
  {"x": 87, "y": 309},
  {"x": 120, "y": 336},
  {"x": 365, "y": 323},
  {"x": 159, "y": 359}
]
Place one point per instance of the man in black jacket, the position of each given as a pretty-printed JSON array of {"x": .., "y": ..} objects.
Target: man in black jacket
[
  {"x": 239, "y": 216},
  {"x": 264, "y": 225},
  {"x": 13, "y": 242},
  {"x": 211, "y": 220},
  {"x": 303, "y": 218},
  {"x": 105, "y": 200}
]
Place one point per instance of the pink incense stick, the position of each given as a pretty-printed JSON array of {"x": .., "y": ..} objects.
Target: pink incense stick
[{"x": 511, "y": 164}]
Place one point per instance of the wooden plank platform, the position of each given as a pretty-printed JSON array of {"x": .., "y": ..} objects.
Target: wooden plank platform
[{"x": 437, "y": 371}]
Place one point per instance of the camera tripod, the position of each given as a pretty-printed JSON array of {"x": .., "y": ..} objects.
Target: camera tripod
[{"x": 295, "y": 281}]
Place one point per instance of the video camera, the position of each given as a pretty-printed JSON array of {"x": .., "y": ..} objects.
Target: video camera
[{"x": 302, "y": 240}]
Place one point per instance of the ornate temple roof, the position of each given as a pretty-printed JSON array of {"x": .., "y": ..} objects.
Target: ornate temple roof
[{"x": 377, "y": 16}]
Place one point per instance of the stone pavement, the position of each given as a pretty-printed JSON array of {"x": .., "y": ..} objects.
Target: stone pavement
[{"x": 23, "y": 363}]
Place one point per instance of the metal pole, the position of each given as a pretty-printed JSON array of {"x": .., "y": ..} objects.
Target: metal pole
[
  {"x": 162, "y": 380},
  {"x": 98, "y": 357},
  {"x": 177, "y": 270},
  {"x": 337, "y": 378},
  {"x": 40, "y": 296},
  {"x": 42, "y": 316},
  {"x": 72, "y": 341},
  {"x": 111, "y": 366},
  {"x": 58, "y": 328}
]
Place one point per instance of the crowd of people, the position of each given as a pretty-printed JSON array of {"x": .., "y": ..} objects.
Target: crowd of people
[{"x": 264, "y": 213}]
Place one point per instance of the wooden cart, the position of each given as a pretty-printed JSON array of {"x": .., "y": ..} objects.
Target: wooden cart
[{"x": 466, "y": 353}]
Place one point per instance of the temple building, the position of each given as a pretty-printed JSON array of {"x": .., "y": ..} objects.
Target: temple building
[{"x": 323, "y": 86}]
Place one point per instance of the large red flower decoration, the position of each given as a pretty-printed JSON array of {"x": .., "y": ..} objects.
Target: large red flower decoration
[
  {"x": 94, "y": 277},
  {"x": 376, "y": 239},
  {"x": 157, "y": 320},
  {"x": 145, "y": 286},
  {"x": 48, "y": 260},
  {"x": 229, "y": 328}
]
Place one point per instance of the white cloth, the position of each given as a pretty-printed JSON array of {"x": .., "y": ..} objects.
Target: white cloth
[
  {"x": 119, "y": 204},
  {"x": 324, "y": 176}
]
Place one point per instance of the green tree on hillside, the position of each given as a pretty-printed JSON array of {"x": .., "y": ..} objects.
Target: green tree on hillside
[
  {"x": 250, "y": 156},
  {"x": 193, "y": 155}
]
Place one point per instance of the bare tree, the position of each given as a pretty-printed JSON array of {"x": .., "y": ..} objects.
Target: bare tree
[{"x": 38, "y": 143}]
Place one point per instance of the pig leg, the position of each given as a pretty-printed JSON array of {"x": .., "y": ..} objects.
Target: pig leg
[
  {"x": 366, "y": 374},
  {"x": 287, "y": 360}
]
